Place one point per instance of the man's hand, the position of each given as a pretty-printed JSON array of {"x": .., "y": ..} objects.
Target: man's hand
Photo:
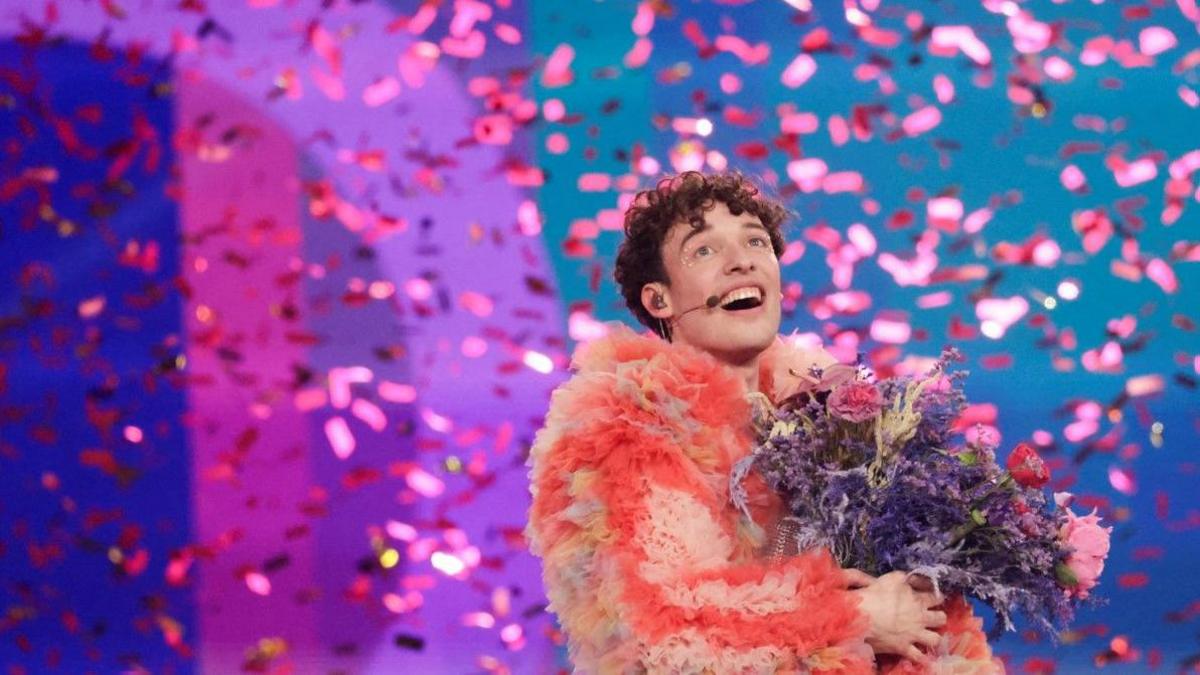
[{"x": 901, "y": 616}]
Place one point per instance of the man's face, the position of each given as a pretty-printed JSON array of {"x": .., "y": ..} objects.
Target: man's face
[{"x": 731, "y": 257}]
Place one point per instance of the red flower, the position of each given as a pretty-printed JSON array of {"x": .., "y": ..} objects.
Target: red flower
[{"x": 1027, "y": 468}]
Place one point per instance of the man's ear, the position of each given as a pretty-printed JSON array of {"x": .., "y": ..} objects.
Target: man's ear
[{"x": 657, "y": 300}]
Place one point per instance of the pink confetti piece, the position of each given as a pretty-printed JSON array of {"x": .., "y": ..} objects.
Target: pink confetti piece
[
  {"x": 466, "y": 14},
  {"x": 538, "y": 361},
  {"x": 843, "y": 181},
  {"x": 340, "y": 438},
  {"x": 469, "y": 47},
  {"x": 1134, "y": 173},
  {"x": 92, "y": 307},
  {"x": 341, "y": 380},
  {"x": 950, "y": 40},
  {"x": 396, "y": 392},
  {"x": 583, "y": 328},
  {"x": 997, "y": 315},
  {"x": 437, "y": 422},
  {"x": 401, "y": 531},
  {"x": 513, "y": 636},
  {"x": 943, "y": 87},
  {"x": 944, "y": 213},
  {"x": 1058, "y": 69},
  {"x": 920, "y": 121},
  {"x": 915, "y": 270},
  {"x": 258, "y": 583},
  {"x": 594, "y": 182},
  {"x": 309, "y": 398},
  {"x": 381, "y": 91},
  {"x": 798, "y": 123},
  {"x": 1106, "y": 359},
  {"x": 447, "y": 563},
  {"x": 1029, "y": 35},
  {"x": 1188, "y": 96},
  {"x": 730, "y": 83},
  {"x": 1122, "y": 480},
  {"x": 860, "y": 237},
  {"x": 1156, "y": 40},
  {"x": 639, "y": 54},
  {"x": 424, "y": 483},
  {"x": 977, "y": 219},
  {"x": 473, "y": 347},
  {"x": 133, "y": 434},
  {"x": 798, "y": 71},
  {"x": 476, "y": 303},
  {"x": 808, "y": 174},
  {"x": 1162, "y": 274},
  {"x": 749, "y": 55},
  {"x": 643, "y": 19},
  {"x": 1096, "y": 50},
  {"x": 933, "y": 300},
  {"x": 493, "y": 129},
  {"x": 557, "y": 72},
  {"x": 507, "y": 33},
  {"x": 370, "y": 414},
  {"x": 478, "y": 620},
  {"x": 423, "y": 18},
  {"x": 1072, "y": 178},
  {"x": 1144, "y": 385},
  {"x": 891, "y": 328}
]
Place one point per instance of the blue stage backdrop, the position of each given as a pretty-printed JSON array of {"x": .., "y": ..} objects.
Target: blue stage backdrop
[{"x": 284, "y": 289}]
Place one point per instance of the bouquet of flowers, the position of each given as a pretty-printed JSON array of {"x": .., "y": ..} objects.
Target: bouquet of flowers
[{"x": 875, "y": 472}]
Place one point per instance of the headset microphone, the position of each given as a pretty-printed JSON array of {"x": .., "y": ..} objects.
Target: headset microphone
[{"x": 710, "y": 303}]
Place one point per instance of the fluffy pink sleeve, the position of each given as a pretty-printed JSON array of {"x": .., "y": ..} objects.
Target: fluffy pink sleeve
[{"x": 663, "y": 567}]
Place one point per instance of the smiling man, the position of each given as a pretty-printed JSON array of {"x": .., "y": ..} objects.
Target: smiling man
[{"x": 648, "y": 565}]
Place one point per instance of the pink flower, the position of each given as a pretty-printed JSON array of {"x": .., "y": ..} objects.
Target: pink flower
[
  {"x": 855, "y": 401},
  {"x": 1089, "y": 547},
  {"x": 1027, "y": 467},
  {"x": 791, "y": 371}
]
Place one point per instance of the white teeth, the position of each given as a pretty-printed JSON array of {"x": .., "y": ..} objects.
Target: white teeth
[{"x": 741, "y": 294}]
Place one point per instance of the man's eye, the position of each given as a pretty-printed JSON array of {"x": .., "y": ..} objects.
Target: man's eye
[
  {"x": 760, "y": 240},
  {"x": 703, "y": 250}
]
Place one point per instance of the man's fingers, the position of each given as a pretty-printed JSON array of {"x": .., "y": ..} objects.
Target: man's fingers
[
  {"x": 935, "y": 619},
  {"x": 914, "y": 654},
  {"x": 857, "y": 578},
  {"x": 928, "y": 638},
  {"x": 931, "y": 600}
]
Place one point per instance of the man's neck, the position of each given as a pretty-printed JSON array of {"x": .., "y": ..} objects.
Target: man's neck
[{"x": 749, "y": 373}]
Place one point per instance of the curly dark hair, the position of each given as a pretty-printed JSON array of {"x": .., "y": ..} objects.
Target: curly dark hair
[{"x": 675, "y": 199}]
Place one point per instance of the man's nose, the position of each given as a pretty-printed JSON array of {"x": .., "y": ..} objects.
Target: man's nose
[{"x": 739, "y": 260}]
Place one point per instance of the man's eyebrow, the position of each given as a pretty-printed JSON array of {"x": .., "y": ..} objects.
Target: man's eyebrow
[{"x": 695, "y": 231}]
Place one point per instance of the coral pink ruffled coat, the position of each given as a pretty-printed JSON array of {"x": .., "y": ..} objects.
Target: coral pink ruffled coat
[{"x": 647, "y": 564}]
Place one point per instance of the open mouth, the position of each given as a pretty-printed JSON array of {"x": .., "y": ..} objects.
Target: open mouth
[{"x": 742, "y": 299}]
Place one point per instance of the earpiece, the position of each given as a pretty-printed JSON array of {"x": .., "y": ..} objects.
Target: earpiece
[{"x": 658, "y": 301}]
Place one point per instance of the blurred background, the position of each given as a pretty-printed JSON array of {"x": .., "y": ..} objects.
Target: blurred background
[{"x": 285, "y": 286}]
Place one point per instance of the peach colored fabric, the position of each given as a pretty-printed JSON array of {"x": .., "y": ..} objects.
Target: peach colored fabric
[{"x": 646, "y": 563}]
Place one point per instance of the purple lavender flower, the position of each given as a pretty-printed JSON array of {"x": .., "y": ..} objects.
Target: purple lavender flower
[{"x": 934, "y": 505}]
